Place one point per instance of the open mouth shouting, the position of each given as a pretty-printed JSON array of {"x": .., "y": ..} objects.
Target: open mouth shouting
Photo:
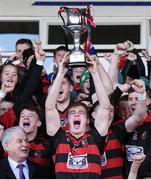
[
  {"x": 76, "y": 124},
  {"x": 26, "y": 125},
  {"x": 78, "y": 77},
  {"x": 9, "y": 83},
  {"x": 133, "y": 108},
  {"x": 60, "y": 92}
]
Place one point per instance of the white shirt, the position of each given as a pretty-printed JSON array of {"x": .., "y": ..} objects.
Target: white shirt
[{"x": 13, "y": 164}]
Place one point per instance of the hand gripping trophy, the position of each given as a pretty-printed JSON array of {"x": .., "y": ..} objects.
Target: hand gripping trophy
[{"x": 76, "y": 22}]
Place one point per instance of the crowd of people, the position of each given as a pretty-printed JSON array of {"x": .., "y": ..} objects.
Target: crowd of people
[{"x": 79, "y": 122}]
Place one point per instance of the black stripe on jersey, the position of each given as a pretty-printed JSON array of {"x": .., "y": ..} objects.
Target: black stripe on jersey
[
  {"x": 80, "y": 175},
  {"x": 92, "y": 158},
  {"x": 110, "y": 172},
  {"x": 115, "y": 153}
]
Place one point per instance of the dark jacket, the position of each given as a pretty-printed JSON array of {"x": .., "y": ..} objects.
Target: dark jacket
[{"x": 35, "y": 171}]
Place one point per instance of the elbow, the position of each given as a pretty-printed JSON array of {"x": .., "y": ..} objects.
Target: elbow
[{"x": 49, "y": 106}]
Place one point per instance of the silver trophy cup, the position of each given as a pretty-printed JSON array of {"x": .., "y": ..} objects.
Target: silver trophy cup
[{"x": 74, "y": 22}]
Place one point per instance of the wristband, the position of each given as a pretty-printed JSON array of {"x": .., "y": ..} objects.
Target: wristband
[
  {"x": 142, "y": 96},
  {"x": 2, "y": 94},
  {"x": 39, "y": 62}
]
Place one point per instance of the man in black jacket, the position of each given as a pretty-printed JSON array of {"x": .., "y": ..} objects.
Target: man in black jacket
[{"x": 15, "y": 143}]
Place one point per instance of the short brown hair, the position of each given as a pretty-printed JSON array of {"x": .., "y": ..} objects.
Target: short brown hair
[{"x": 76, "y": 104}]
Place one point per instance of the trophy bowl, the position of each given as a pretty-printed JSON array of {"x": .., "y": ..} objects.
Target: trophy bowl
[{"x": 75, "y": 23}]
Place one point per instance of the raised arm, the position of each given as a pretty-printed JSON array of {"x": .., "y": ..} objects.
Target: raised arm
[
  {"x": 139, "y": 61},
  {"x": 119, "y": 50},
  {"x": 137, "y": 161},
  {"x": 141, "y": 108},
  {"x": 34, "y": 77},
  {"x": 104, "y": 77},
  {"x": 52, "y": 115},
  {"x": 102, "y": 113},
  {"x": 148, "y": 60}
]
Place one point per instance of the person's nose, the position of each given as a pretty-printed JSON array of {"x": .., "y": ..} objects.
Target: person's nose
[
  {"x": 25, "y": 143},
  {"x": 134, "y": 101},
  {"x": 10, "y": 75},
  {"x": 26, "y": 117},
  {"x": 76, "y": 114}
]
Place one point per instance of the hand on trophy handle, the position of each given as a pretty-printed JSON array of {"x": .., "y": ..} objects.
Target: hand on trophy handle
[{"x": 63, "y": 63}]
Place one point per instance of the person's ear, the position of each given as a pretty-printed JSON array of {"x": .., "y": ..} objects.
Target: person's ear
[
  {"x": 148, "y": 101},
  {"x": 39, "y": 123},
  {"x": 6, "y": 147},
  {"x": 93, "y": 114},
  {"x": 71, "y": 88}
]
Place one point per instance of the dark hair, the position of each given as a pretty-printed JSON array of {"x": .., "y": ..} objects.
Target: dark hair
[
  {"x": 148, "y": 91},
  {"x": 7, "y": 64},
  {"x": 76, "y": 104},
  {"x": 124, "y": 98},
  {"x": 24, "y": 41},
  {"x": 60, "y": 48},
  {"x": 66, "y": 76},
  {"x": 31, "y": 106},
  {"x": 131, "y": 90}
]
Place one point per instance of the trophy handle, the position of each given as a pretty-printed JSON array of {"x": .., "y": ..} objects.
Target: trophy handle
[{"x": 62, "y": 9}]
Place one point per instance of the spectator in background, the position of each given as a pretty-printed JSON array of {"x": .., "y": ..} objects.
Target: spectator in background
[
  {"x": 113, "y": 159},
  {"x": 148, "y": 59},
  {"x": 134, "y": 67},
  {"x": 123, "y": 108},
  {"x": 39, "y": 146},
  {"x": 76, "y": 76},
  {"x": 63, "y": 99},
  {"x": 21, "y": 46},
  {"x": 16, "y": 165},
  {"x": 58, "y": 55},
  {"x": 83, "y": 92},
  {"x": 139, "y": 141}
]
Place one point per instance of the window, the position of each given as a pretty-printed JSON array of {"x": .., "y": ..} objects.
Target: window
[
  {"x": 112, "y": 34},
  {"x": 11, "y": 31},
  {"x": 108, "y": 32}
]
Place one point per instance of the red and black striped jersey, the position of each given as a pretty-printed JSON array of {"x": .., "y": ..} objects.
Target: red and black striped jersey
[
  {"x": 40, "y": 153},
  {"x": 63, "y": 120},
  {"x": 8, "y": 119},
  {"x": 78, "y": 158},
  {"x": 113, "y": 157},
  {"x": 140, "y": 142}
]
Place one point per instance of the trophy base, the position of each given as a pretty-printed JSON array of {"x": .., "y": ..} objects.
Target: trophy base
[
  {"x": 77, "y": 60},
  {"x": 77, "y": 64}
]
